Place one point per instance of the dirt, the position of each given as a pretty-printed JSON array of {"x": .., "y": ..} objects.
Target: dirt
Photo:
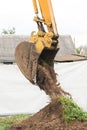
[
  {"x": 46, "y": 80},
  {"x": 50, "y": 117}
]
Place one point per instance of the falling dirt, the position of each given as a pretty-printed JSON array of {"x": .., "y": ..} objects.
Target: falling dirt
[
  {"x": 50, "y": 117},
  {"x": 46, "y": 80}
]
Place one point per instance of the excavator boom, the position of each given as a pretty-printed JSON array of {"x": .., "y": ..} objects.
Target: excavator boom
[{"x": 47, "y": 14}]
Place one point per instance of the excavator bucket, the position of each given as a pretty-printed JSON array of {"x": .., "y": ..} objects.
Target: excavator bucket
[{"x": 28, "y": 59}]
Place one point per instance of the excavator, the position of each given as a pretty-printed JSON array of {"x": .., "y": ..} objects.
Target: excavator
[{"x": 35, "y": 57}]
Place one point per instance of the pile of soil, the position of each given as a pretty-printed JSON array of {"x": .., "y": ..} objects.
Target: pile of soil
[{"x": 50, "y": 117}]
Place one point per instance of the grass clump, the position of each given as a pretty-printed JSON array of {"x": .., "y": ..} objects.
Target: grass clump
[
  {"x": 7, "y": 121},
  {"x": 71, "y": 111}
]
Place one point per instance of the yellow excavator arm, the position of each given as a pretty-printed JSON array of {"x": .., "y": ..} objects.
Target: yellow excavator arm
[
  {"x": 47, "y": 34},
  {"x": 47, "y": 14},
  {"x": 41, "y": 48}
]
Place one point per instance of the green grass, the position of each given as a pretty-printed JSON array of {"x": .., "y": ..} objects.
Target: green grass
[
  {"x": 71, "y": 111},
  {"x": 7, "y": 121}
]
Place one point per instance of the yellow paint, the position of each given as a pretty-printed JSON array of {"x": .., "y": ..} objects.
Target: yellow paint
[
  {"x": 35, "y": 6},
  {"x": 44, "y": 39},
  {"x": 39, "y": 46}
]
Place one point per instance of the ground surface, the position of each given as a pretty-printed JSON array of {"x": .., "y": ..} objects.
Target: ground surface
[
  {"x": 7, "y": 121},
  {"x": 49, "y": 118}
]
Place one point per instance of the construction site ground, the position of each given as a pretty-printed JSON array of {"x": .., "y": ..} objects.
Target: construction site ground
[{"x": 49, "y": 118}]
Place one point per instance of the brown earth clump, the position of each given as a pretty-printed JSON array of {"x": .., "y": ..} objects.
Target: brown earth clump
[{"x": 50, "y": 117}]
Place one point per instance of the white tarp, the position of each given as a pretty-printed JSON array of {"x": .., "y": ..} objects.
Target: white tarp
[{"x": 18, "y": 95}]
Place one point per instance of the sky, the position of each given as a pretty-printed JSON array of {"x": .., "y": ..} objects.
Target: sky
[{"x": 70, "y": 15}]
